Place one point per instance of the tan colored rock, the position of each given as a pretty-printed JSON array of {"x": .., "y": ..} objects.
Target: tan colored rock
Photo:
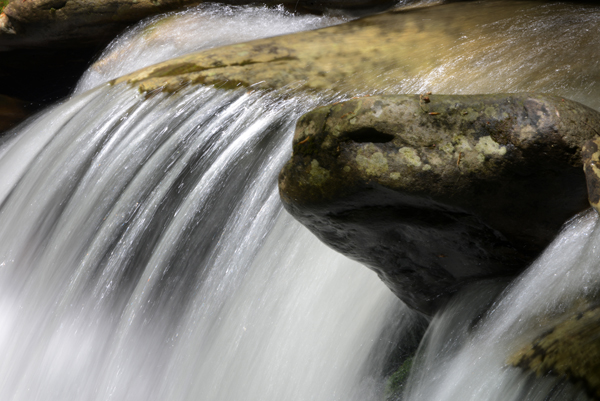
[
  {"x": 460, "y": 47},
  {"x": 349, "y": 58},
  {"x": 591, "y": 166}
]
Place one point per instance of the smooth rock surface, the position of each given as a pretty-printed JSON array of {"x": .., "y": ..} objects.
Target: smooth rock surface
[
  {"x": 436, "y": 191},
  {"x": 462, "y": 47},
  {"x": 368, "y": 55}
]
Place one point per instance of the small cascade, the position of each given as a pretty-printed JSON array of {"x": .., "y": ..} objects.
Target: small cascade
[
  {"x": 465, "y": 351},
  {"x": 144, "y": 254},
  {"x": 144, "y": 257}
]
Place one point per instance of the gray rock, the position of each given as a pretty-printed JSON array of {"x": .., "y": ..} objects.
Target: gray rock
[{"x": 433, "y": 192}]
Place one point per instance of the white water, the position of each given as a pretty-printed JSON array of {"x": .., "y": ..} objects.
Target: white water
[
  {"x": 145, "y": 256},
  {"x": 459, "y": 361}
]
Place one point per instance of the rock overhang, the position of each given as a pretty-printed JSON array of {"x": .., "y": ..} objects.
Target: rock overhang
[{"x": 434, "y": 191}]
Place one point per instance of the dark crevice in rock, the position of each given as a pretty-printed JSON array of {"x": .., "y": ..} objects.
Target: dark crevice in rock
[
  {"x": 54, "y": 5},
  {"x": 369, "y": 135}
]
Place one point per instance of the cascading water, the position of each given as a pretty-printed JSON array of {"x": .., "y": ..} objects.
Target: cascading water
[
  {"x": 134, "y": 268},
  {"x": 465, "y": 356},
  {"x": 145, "y": 256}
]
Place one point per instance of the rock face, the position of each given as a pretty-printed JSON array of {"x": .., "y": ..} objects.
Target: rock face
[
  {"x": 570, "y": 348},
  {"x": 433, "y": 192},
  {"x": 74, "y": 22},
  {"x": 45, "y": 45},
  {"x": 591, "y": 166}
]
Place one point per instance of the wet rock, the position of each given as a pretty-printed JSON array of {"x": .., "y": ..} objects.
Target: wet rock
[
  {"x": 12, "y": 112},
  {"x": 37, "y": 22},
  {"x": 591, "y": 166},
  {"x": 433, "y": 192},
  {"x": 569, "y": 348},
  {"x": 454, "y": 47},
  {"x": 30, "y": 22},
  {"x": 367, "y": 55}
]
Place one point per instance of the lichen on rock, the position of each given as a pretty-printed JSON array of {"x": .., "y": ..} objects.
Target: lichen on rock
[
  {"x": 569, "y": 347},
  {"x": 469, "y": 187}
]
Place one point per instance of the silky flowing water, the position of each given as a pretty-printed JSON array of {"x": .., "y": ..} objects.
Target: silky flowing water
[{"x": 145, "y": 256}]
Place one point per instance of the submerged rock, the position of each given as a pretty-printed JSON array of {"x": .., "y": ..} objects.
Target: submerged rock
[
  {"x": 433, "y": 192},
  {"x": 461, "y": 47}
]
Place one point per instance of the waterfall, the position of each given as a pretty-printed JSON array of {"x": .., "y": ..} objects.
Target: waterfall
[
  {"x": 144, "y": 254},
  {"x": 465, "y": 350}
]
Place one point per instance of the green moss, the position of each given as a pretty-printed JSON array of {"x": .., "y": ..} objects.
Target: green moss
[
  {"x": 3, "y": 3},
  {"x": 397, "y": 380}
]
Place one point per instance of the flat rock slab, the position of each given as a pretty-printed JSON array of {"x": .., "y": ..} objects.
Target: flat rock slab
[
  {"x": 368, "y": 55},
  {"x": 433, "y": 192}
]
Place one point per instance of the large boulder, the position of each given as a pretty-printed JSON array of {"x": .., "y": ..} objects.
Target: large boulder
[
  {"x": 435, "y": 191},
  {"x": 461, "y": 47}
]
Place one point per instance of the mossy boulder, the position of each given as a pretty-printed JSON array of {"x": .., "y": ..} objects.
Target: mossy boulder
[
  {"x": 569, "y": 348},
  {"x": 436, "y": 191},
  {"x": 397, "y": 380}
]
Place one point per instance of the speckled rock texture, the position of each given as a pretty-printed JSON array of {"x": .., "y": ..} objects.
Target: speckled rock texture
[
  {"x": 368, "y": 55},
  {"x": 570, "y": 347},
  {"x": 591, "y": 166},
  {"x": 433, "y": 192}
]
